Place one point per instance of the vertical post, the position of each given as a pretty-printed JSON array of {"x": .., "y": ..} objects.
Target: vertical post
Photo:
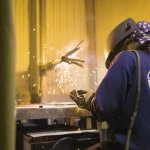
[
  {"x": 7, "y": 76},
  {"x": 42, "y": 38},
  {"x": 34, "y": 47},
  {"x": 88, "y": 123},
  {"x": 90, "y": 22}
]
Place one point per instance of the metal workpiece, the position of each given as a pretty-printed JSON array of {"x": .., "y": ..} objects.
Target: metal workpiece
[
  {"x": 65, "y": 58},
  {"x": 41, "y": 111}
]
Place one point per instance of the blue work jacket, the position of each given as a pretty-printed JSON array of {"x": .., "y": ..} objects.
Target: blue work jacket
[{"x": 115, "y": 98}]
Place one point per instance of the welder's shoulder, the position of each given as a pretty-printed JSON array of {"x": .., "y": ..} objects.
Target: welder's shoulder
[{"x": 126, "y": 59}]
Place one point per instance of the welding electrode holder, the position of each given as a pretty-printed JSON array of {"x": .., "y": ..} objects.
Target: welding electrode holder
[
  {"x": 50, "y": 65},
  {"x": 75, "y": 61}
]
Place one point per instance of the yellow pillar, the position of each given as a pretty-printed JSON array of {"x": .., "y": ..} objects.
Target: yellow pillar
[
  {"x": 34, "y": 48},
  {"x": 7, "y": 76},
  {"x": 90, "y": 22}
]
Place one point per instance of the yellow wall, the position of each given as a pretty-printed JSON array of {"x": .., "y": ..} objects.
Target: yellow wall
[
  {"x": 22, "y": 35},
  {"x": 22, "y": 48},
  {"x": 108, "y": 14},
  {"x": 46, "y": 30},
  {"x": 65, "y": 24}
]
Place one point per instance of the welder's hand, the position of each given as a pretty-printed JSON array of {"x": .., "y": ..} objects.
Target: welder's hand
[{"x": 82, "y": 98}]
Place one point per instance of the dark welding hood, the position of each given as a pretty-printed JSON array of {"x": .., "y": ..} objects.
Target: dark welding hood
[{"x": 117, "y": 37}]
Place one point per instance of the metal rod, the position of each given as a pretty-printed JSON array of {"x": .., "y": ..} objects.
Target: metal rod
[{"x": 7, "y": 76}]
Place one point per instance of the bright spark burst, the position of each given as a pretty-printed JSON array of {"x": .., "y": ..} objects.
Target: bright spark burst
[
  {"x": 34, "y": 85},
  {"x": 66, "y": 77}
]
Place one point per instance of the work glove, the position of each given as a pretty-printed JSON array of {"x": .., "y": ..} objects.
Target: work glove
[{"x": 82, "y": 98}]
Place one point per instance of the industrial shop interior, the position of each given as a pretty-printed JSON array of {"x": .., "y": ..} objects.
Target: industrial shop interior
[{"x": 58, "y": 46}]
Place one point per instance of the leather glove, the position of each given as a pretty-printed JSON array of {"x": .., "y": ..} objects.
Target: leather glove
[{"x": 82, "y": 98}]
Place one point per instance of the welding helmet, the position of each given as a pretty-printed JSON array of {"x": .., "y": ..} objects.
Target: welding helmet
[{"x": 117, "y": 37}]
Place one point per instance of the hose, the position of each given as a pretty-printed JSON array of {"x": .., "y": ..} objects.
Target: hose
[
  {"x": 66, "y": 143},
  {"x": 137, "y": 100}
]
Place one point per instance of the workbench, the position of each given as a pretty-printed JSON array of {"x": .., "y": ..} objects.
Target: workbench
[{"x": 57, "y": 110}]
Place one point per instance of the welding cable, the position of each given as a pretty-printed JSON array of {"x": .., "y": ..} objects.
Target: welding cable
[
  {"x": 137, "y": 100},
  {"x": 67, "y": 143}
]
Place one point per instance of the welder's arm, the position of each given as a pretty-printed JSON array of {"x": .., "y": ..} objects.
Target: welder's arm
[{"x": 87, "y": 100}]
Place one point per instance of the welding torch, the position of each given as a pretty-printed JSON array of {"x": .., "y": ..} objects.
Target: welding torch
[{"x": 65, "y": 58}]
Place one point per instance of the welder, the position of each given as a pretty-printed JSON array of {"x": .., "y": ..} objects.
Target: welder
[{"x": 119, "y": 95}]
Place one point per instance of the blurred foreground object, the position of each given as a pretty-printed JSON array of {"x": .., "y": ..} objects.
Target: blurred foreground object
[{"x": 7, "y": 76}]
